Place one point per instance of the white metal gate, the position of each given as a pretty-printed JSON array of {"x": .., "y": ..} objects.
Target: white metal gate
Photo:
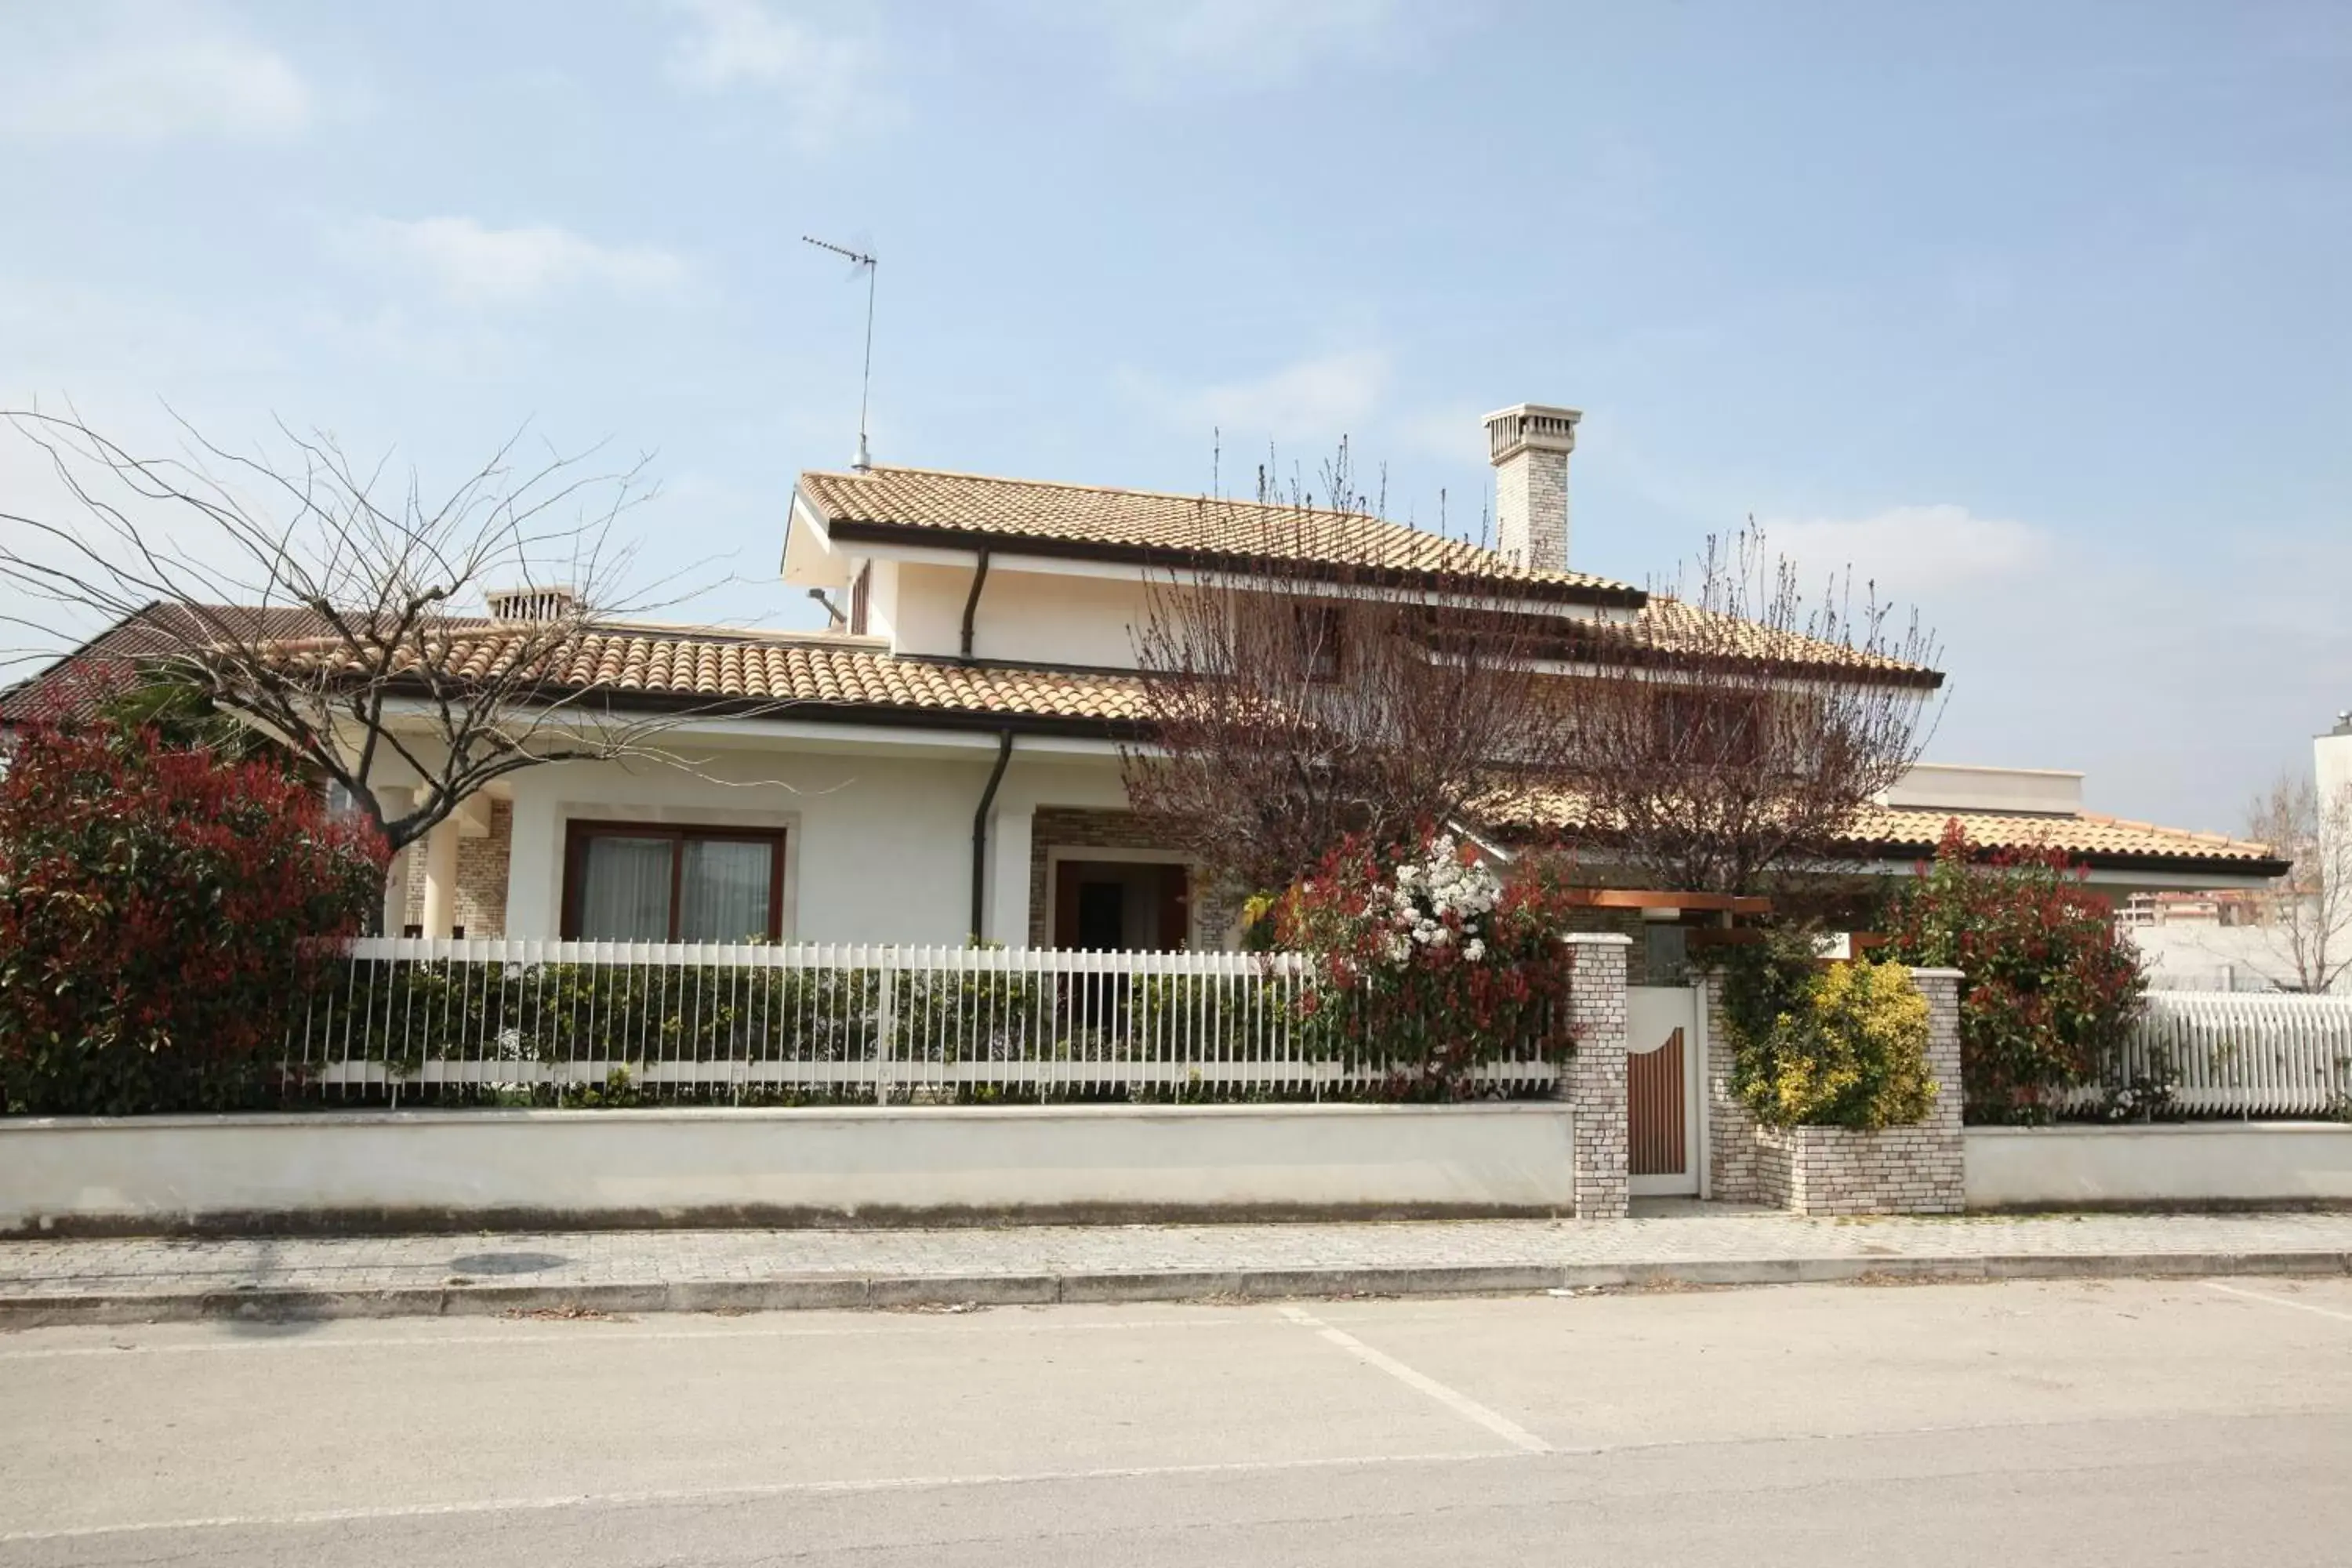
[{"x": 1662, "y": 1088}]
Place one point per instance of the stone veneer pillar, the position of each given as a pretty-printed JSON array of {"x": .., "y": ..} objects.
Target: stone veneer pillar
[{"x": 1595, "y": 1081}]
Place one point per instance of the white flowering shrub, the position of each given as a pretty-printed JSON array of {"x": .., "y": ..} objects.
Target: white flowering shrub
[{"x": 1428, "y": 962}]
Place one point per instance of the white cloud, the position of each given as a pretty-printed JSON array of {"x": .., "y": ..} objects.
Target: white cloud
[
  {"x": 470, "y": 264},
  {"x": 1166, "y": 46},
  {"x": 1914, "y": 549},
  {"x": 1329, "y": 395},
  {"x": 831, "y": 82},
  {"x": 144, "y": 74}
]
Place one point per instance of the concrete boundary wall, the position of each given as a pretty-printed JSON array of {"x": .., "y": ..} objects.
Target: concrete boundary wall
[
  {"x": 468, "y": 1169},
  {"x": 2198, "y": 1162}
]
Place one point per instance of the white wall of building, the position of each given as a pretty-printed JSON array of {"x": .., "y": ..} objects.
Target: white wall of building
[
  {"x": 2197, "y": 957},
  {"x": 878, "y": 839},
  {"x": 2331, "y": 759},
  {"x": 1034, "y": 617},
  {"x": 1953, "y": 786}
]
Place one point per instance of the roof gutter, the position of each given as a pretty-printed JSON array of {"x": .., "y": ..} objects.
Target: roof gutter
[
  {"x": 971, "y": 600},
  {"x": 980, "y": 837}
]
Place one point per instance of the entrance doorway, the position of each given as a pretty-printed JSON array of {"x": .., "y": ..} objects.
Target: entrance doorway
[
  {"x": 1122, "y": 906},
  {"x": 1662, "y": 1087}
]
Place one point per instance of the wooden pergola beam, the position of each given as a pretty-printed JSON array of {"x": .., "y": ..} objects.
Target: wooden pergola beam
[{"x": 1653, "y": 899}]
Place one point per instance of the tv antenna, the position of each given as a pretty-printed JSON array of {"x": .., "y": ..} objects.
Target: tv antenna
[{"x": 873, "y": 264}]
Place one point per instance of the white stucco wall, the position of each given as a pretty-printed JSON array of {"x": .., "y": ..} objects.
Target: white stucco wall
[
  {"x": 2188, "y": 957},
  {"x": 650, "y": 1165},
  {"x": 2192, "y": 1163},
  {"x": 2331, "y": 761},
  {"x": 1032, "y": 617},
  {"x": 877, "y": 841}
]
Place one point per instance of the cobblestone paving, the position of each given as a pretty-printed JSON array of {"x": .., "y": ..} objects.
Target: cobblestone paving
[{"x": 162, "y": 1267}]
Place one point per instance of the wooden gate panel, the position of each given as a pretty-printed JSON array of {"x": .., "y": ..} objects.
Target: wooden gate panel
[{"x": 1654, "y": 1102}]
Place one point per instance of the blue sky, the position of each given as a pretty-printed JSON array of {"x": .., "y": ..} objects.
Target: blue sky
[{"x": 2038, "y": 313}]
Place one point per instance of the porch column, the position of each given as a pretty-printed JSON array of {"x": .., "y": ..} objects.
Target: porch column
[
  {"x": 1010, "y": 836},
  {"x": 441, "y": 877},
  {"x": 1595, "y": 1081},
  {"x": 394, "y": 801}
]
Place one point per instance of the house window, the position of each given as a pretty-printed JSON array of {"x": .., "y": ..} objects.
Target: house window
[
  {"x": 1715, "y": 729},
  {"x": 628, "y": 881},
  {"x": 1320, "y": 644}
]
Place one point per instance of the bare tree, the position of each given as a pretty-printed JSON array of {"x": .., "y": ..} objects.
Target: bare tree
[
  {"x": 1293, "y": 698},
  {"x": 2306, "y": 921},
  {"x": 334, "y": 606},
  {"x": 1719, "y": 740}
]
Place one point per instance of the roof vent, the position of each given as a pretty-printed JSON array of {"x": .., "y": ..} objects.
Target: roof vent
[{"x": 533, "y": 603}]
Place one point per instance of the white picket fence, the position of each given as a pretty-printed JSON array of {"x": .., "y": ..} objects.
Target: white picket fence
[
  {"x": 2238, "y": 1054},
  {"x": 444, "y": 1019}
]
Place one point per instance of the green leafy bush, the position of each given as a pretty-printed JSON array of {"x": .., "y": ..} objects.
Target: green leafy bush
[{"x": 1838, "y": 1046}]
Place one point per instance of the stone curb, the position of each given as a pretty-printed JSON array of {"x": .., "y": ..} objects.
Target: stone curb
[{"x": 840, "y": 1291}]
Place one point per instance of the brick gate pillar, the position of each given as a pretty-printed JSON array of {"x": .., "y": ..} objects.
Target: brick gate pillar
[{"x": 1595, "y": 1081}]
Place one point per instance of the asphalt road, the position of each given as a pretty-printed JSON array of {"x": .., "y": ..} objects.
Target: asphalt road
[{"x": 2118, "y": 1423}]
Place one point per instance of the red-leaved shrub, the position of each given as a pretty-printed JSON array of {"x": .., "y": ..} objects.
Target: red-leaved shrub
[
  {"x": 164, "y": 917},
  {"x": 2048, "y": 986},
  {"x": 1427, "y": 963}
]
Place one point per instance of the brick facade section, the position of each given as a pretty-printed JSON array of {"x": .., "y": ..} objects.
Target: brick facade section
[
  {"x": 1075, "y": 827},
  {"x": 481, "y": 906},
  {"x": 1595, "y": 1081},
  {"x": 1916, "y": 1169},
  {"x": 1531, "y": 508}
]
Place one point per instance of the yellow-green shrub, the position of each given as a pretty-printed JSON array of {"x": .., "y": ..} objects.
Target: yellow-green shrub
[{"x": 1850, "y": 1049}]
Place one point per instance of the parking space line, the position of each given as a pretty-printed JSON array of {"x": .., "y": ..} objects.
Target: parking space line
[
  {"x": 2278, "y": 1301},
  {"x": 671, "y": 1497},
  {"x": 1460, "y": 1403}
]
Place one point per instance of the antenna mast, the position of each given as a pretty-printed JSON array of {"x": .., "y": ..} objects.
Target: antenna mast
[{"x": 873, "y": 265}]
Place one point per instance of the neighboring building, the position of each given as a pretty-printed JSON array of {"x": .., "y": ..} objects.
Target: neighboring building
[
  {"x": 946, "y": 764},
  {"x": 2247, "y": 941},
  {"x": 79, "y": 683}
]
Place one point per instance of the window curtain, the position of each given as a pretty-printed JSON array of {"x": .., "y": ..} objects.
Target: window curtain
[
  {"x": 625, "y": 891},
  {"x": 723, "y": 887}
]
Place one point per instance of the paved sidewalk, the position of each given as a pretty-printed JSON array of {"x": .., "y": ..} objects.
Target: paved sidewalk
[{"x": 702, "y": 1270}]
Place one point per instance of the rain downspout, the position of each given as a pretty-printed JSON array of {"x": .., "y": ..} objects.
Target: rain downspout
[
  {"x": 971, "y": 601},
  {"x": 980, "y": 818}
]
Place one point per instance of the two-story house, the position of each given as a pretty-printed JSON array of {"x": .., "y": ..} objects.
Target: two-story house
[{"x": 944, "y": 763}]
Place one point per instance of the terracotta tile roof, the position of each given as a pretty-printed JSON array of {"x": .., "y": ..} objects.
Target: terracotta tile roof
[
  {"x": 755, "y": 669},
  {"x": 78, "y": 683},
  {"x": 1906, "y": 832},
  {"x": 814, "y": 676},
  {"x": 1674, "y": 626},
  {"x": 1149, "y": 523},
  {"x": 1918, "y": 830},
  {"x": 916, "y": 501}
]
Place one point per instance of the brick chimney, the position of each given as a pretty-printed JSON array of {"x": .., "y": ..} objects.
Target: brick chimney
[{"x": 1528, "y": 445}]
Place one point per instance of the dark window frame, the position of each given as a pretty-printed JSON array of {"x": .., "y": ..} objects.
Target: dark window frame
[
  {"x": 1322, "y": 641},
  {"x": 579, "y": 832}
]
